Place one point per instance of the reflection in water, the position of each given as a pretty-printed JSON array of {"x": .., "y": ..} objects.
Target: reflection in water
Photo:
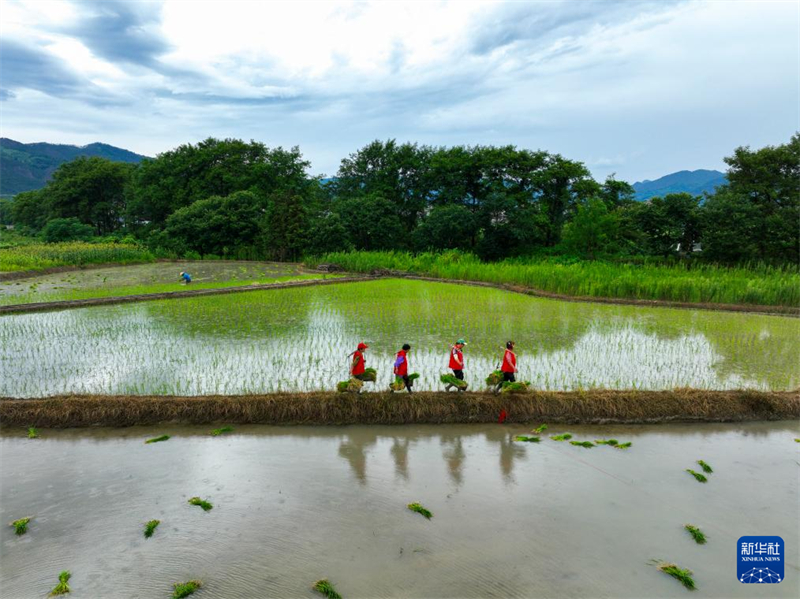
[
  {"x": 354, "y": 451},
  {"x": 400, "y": 455},
  {"x": 453, "y": 453}
]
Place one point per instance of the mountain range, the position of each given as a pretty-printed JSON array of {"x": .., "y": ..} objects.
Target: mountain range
[
  {"x": 28, "y": 166},
  {"x": 693, "y": 182}
]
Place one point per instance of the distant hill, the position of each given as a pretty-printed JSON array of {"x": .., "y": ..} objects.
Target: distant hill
[
  {"x": 28, "y": 166},
  {"x": 694, "y": 182}
]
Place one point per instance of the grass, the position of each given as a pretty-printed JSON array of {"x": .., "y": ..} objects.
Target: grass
[
  {"x": 696, "y": 533},
  {"x": 527, "y": 439},
  {"x": 699, "y": 477},
  {"x": 39, "y": 256},
  {"x": 21, "y": 525},
  {"x": 416, "y": 507},
  {"x": 221, "y": 431},
  {"x": 33, "y": 433},
  {"x": 586, "y": 444},
  {"x": 680, "y": 574},
  {"x": 697, "y": 283},
  {"x": 539, "y": 429},
  {"x": 184, "y": 589},
  {"x": 562, "y": 437},
  {"x": 706, "y": 468},
  {"x": 150, "y": 528},
  {"x": 158, "y": 439},
  {"x": 62, "y": 587},
  {"x": 325, "y": 587},
  {"x": 201, "y": 503}
]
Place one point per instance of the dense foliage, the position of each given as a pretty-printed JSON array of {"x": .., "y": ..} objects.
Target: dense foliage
[{"x": 231, "y": 198}]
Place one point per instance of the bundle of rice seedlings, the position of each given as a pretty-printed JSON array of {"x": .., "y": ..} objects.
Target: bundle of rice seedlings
[
  {"x": 540, "y": 429},
  {"x": 413, "y": 376},
  {"x": 527, "y": 439},
  {"x": 158, "y": 439},
  {"x": 797, "y": 440},
  {"x": 33, "y": 433},
  {"x": 697, "y": 535},
  {"x": 623, "y": 445},
  {"x": 451, "y": 379},
  {"x": 518, "y": 387},
  {"x": 350, "y": 386},
  {"x": 370, "y": 375},
  {"x": 221, "y": 431},
  {"x": 586, "y": 444},
  {"x": 150, "y": 528},
  {"x": 606, "y": 442},
  {"x": 325, "y": 587},
  {"x": 21, "y": 525},
  {"x": 62, "y": 587},
  {"x": 495, "y": 378},
  {"x": 416, "y": 507},
  {"x": 563, "y": 437},
  {"x": 201, "y": 502},
  {"x": 700, "y": 478},
  {"x": 184, "y": 589},
  {"x": 706, "y": 468},
  {"x": 680, "y": 574},
  {"x": 397, "y": 385}
]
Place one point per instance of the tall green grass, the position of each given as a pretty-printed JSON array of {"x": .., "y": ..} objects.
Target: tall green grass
[
  {"x": 706, "y": 283},
  {"x": 38, "y": 256}
]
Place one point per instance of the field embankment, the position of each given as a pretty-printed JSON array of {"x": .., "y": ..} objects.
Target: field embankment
[
  {"x": 695, "y": 284},
  {"x": 592, "y": 406}
]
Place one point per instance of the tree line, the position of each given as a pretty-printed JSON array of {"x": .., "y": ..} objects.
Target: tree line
[{"x": 237, "y": 199}]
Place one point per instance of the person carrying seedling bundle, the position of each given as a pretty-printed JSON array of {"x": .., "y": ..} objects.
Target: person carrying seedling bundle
[
  {"x": 401, "y": 366},
  {"x": 457, "y": 361},
  {"x": 186, "y": 278},
  {"x": 509, "y": 365},
  {"x": 359, "y": 363}
]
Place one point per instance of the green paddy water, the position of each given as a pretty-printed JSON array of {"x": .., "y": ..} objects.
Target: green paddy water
[{"x": 299, "y": 339}]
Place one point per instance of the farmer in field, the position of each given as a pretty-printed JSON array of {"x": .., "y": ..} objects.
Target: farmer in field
[
  {"x": 509, "y": 365},
  {"x": 186, "y": 278},
  {"x": 457, "y": 360},
  {"x": 359, "y": 363},
  {"x": 401, "y": 366}
]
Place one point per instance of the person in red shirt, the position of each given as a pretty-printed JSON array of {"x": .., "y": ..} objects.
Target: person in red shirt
[
  {"x": 401, "y": 366},
  {"x": 509, "y": 365},
  {"x": 457, "y": 360},
  {"x": 359, "y": 363}
]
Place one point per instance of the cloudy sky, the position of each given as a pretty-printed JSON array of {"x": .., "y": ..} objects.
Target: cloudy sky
[{"x": 641, "y": 89}]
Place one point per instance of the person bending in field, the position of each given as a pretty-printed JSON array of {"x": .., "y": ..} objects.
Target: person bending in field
[
  {"x": 186, "y": 278},
  {"x": 509, "y": 365},
  {"x": 401, "y": 365},
  {"x": 457, "y": 360},
  {"x": 359, "y": 363}
]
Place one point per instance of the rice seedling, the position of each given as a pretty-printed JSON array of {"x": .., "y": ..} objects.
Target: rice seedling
[
  {"x": 221, "y": 431},
  {"x": 699, "y": 477},
  {"x": 184, "y": 589},
  {"x": 562, "y": 437},
  {"x": 62, "y": 587},
  {"x": 158, "y": 439},
  {"x": 450, "y": 379},
  {"x": 517, "y": 387},
  {"x": 325, "y": 587},
  {"x": 201, "y": 503},
  {"x": 527, "y": 439},
  {"x": 494, "y": 379},
  {"x": 352, "y": 385},
  {"x": 370, "y": 375},
  {"x": 586, "y": 444},
  {"x": 797, "y": 440},
  {"x": 606, "y": 442},
  {"x": 21, "y": 525},
  {"x": 150, "y": 528},
  {"x": 416, "y": 507},
  {"x": 539, "y": 429},
  {"x": 682, "y": 575},
  {"x": 413, "y": 376},
  {"x": 33, "y": 433},
  {"x": 706, "y": 468},
  {"x": 696, "y": 533},
  {"x": 625, "y": 445}
]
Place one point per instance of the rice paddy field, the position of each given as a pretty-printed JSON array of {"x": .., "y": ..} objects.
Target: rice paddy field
[
  {"x": 138, "y": 279},
  {"x": 299, "y": 340},
  {"x": 295, "y": 505}
]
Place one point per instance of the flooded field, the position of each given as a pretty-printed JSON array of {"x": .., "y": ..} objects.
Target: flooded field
[
  {"x": 293, "y": 505},
  {"x": 142, "y": 278},
  {"x": 300, "y": 339}
]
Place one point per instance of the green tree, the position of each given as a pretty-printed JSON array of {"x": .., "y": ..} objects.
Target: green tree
[
  {"x": 327, "y": 233},
  {"x": 447, "y": 228},
  {"x": 372, "y": 222},
  {"x": 6, "y": 211},
  {"x": 29, "y": 210},
  {"x": 509, "y": 227},
  {"x": 287, "y": 226},
  {"x": 672, "y": 224},
  {"x": 593, "y": 232},
  {"x": 731, "y": 225},
  {"x": 66, "y": 229}
]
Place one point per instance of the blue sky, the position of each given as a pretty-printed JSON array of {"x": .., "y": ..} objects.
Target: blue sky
[{"x": 640, "y": 89}]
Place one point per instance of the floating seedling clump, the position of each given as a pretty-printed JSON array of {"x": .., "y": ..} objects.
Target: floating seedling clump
[
  {"x": 700, "y": 477},
  {"x": 495, "y": 378},
  {"x": 62, "y": 587},
  {"x": 706, "y": 468},
  {"x": 158, "y": 439},
  {"x": 451, "y": 379},
  {"x": 150, "y": 528},
  {"x": 680, "y": 574},
  {"x": 527, "y": 439},
  {"x": 184, "y": 589},
  {"x": 416, "y": 507},
  {"x": 623, "y": 445},
  {"x": 562, "y": 437},
  {"x": 696, "y": 533},
  {"x": 607, "y": 442},
  {"x": 221, "y": 431},
  {"x": 352, "y": 386},
  {"x": 517, "y": 387},
  {"x": 21, "y": 525},
  {"x": 540, "y": 429},
  {"x": 586, "y": 444},
  {"x": 325, "y": 587},
  {"x": 370, "y": 375},
  {"x": 33, "y": 433},
  {"x": 201, "y": 503}
]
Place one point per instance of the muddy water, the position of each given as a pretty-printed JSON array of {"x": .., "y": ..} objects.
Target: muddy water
[{"x": 293, "y": 505}]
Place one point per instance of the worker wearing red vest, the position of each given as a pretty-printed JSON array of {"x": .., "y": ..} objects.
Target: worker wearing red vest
[
  {"x": 359, "y": 361},
  {"x": 457, "y": 359},
  {"x": 509, "y": 365},
  {"x": 401, "y": 365}
]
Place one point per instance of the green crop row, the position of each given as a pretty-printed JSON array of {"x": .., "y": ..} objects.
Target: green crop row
[{"x": 73, "y": 253}]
